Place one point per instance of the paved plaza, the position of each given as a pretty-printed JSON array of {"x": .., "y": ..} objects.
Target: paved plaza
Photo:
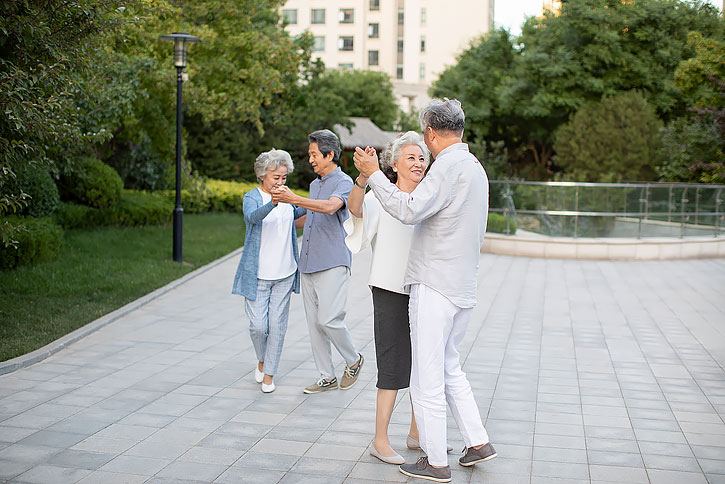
[{"x": 584, "y": 372}]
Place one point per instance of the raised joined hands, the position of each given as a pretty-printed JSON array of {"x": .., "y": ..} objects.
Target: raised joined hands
[{"x": 366, "y": 161}]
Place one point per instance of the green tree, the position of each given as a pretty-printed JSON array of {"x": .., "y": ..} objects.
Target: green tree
[
  {"x": 615, "y": 140},
  {"x": 694, "y": 144},
  {"x": 227, "y": 149},
  {"x": 562, "y": 61},
  {"x": 47, "y": 49}
]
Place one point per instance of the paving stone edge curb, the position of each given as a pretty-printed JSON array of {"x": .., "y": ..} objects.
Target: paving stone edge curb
[{"x": 40, "y": 354}]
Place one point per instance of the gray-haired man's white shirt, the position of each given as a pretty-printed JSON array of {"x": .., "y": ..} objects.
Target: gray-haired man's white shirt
[{"x": 450, "y": 210}]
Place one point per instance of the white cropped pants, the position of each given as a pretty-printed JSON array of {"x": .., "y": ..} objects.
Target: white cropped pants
[{"x": 437, "y": 327}]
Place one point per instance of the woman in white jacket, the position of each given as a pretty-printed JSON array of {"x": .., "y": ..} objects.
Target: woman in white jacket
[{"x": 404, "y": 162}]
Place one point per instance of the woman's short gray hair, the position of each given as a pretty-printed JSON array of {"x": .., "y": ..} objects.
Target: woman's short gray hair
[
  {"x": 392, "y": 151},
  {"x": 271, "y": 160},
  {"x": 443, "y": 115}
]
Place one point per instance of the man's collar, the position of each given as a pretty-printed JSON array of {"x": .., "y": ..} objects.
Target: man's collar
[
  {"x": 323, "y": 177},
  {"x": 453, "y": 147}
]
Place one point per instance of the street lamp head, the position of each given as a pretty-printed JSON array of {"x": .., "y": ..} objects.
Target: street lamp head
[{"x": 180, "y": 41}]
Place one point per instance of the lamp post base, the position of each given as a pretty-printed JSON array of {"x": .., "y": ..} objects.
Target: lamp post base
[{"x": 178, "y": 233}]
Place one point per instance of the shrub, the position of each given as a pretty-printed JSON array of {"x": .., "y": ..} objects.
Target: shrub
[
  {"x": 613, "y": 140},
  {"x": 135, "y": 208},
  {"x": 92, "y": 183},
  {"x": 497, "y": 223},
  {"x": 73, "y": 216},
  {"x": 35, "y": 180},
  {"x": 226, "y": 196},
  {"x": 142, "y": 208},
  {"x": 38, "y": 240}
]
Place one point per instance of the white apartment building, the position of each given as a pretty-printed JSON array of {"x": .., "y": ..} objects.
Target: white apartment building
[{"x": 413, "y": 41}]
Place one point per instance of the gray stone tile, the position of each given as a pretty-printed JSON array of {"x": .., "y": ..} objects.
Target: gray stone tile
[
  {"x": 621, "y": 475},
  {"x": 102, "y": 477},
  {"x": 53, "y": 439},
  {"x": 295, "y": 478},
  {"x": 48, "y": 474},
  {"x": 27, "y": 453},
  {"x": 672, "y": 463},
  {"x": 658, "y": 476},
  {"x": 12, "y": 468},
  {"x": 555, "y": 469},
  {"x": 132, "y": 464},
  {"x": 236, "y": 474},
  {"x": 192, "y": 471},
  {"x": 327, "y": 467},
  {"x": 619, "y": 459},
  {"x": 81, "y": 459}
]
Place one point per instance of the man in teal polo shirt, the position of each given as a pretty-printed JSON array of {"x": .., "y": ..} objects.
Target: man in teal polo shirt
[{"x": 325, "y": 262}]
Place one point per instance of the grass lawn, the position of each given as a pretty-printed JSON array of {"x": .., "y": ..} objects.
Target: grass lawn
[{"x": 100, "y": 270}]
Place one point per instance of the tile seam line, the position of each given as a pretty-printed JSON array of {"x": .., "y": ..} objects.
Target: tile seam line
[{"x": 29, "y": 359}]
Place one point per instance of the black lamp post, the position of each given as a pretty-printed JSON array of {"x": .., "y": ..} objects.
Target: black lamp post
[{"x": 180, "y": 41}]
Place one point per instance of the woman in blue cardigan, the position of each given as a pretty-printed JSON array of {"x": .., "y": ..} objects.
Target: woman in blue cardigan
[{"x": 267, "y": 273}]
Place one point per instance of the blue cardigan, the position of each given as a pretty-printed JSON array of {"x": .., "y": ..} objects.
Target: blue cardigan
[{"x": 245, "y": 281}]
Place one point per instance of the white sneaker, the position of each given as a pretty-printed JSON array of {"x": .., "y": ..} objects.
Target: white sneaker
[
  {"x": 268, "y": 388},
  {"x": 258, "y": 375}
]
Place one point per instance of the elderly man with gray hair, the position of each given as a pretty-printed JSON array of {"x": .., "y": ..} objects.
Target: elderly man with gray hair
[
  {"x": 325, "y": 262},
  {"x": 449, "y": 208}
]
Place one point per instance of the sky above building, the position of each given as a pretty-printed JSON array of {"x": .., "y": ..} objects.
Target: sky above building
[{"x": 511, "y": 14}]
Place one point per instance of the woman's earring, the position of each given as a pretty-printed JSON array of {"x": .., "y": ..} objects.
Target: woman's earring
[{"x": 395, "y": 170}]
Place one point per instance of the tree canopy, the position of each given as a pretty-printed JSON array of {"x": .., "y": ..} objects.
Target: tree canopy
[{"x": 521, "y": 90}]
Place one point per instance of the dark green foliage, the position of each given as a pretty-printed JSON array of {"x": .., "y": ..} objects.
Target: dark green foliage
[
  {"x": 135, "y": 208},
  {"x": 497, "y": 224},
  {"x": 227, "y": 150},
  {"x": 615, "y": 140},
  {"x": 38, "y": 184},
  {"x": 38, "y": 240},
  {"x": 139, "y": 165},
  {"x": 693, "y": 151},
  {"x": 92, "y": 183}
]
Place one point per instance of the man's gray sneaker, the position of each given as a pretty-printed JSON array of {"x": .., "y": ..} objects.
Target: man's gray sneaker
[
  {"x": 349, "y": 376},
  {"x": 474, "y": 456},
  {"x": 322, "y": 385},
  {"x": 423, "y": 470}
]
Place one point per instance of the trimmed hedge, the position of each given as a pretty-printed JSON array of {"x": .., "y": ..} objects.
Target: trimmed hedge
[
  {"x": 497, "y": 223},
  {"x": 35, "y": 180},
  {"x": 38, "y": 241},
  {"x": 135, "y": 208},
  {"x": 92, "y": 183},
  {"x": 215, "y": 195}
]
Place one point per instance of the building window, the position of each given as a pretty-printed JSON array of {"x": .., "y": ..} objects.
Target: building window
[
  {"x": 399, "y": 71},
  {"x": 400, "y": 44},
  {"x": 423, "y": 16},
  {"x": 374, "y": 5},
  {"x": 290, "y": 16},
  {"x": 347, "y": 15},
  {"x": 422, "y": 43},
  {"x": 422, "y": 72},
  {"x": 401, "y": 16},
  {"x": 373, "y": 30},
  {"x": 373, "y": 58},
  {"x": 345, "y": 66},
  {"x": 345, "y": 43},
  {"x": 318, "y": 43},
  {"x": 317, "y": 16}
]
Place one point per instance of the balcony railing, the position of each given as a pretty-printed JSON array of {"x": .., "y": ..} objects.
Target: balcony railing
[{"x": 574, "y": 209}]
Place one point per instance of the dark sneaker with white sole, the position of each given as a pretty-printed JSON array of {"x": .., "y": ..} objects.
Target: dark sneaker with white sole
[
  {"x": 321, "y": 385},
  {"x": 475, "y": 456},
  {"x": 423, "y": 470}
]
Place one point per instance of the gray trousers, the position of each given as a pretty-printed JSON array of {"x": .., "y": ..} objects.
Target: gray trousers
[{"x": 325, "y": 297}]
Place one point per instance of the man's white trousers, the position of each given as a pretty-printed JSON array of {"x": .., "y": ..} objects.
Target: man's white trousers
[{"x": 437, "y": 327}]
